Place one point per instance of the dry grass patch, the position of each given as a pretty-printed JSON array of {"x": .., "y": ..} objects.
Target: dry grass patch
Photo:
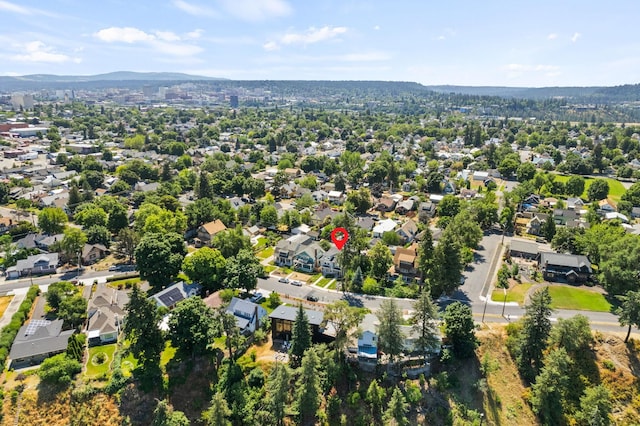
[
  {"x": 503, "y": 400},
  {"x": 4, "y": 302}
]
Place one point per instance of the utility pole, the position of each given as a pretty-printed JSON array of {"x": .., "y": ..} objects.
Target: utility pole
[{"x": 505, "y": 301}]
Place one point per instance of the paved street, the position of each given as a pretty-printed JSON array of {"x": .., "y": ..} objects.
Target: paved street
[{"x": 478, "y": 283}]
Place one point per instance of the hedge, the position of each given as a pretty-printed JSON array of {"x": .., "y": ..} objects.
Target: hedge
[
  {"x": 9, "y": 332},
  {"x": 123, "y": 277}
]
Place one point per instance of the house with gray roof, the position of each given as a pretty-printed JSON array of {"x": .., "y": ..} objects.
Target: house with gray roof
[
  {"x": 175, "y": 293},
  {"x": 37, "y": 341},
  {"x": 571, "y": 268},
  {"x": 105, "y": 314},
  {"x": 524, "y": 249},
  {"x": 283, "y": 317},
  {"x": 37, "y": 264},
  {"x": 249, "y": 316}
]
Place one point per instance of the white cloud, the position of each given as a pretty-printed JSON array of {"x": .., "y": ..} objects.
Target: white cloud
[
  {"x": 364, "y": 57},
  {"x": 377, "y": 27},
  {"x": 531, "y": 68},
  {"x": 15, "y": 8},
  {"x": 552, "y": 36},
  {"x": 195, "y": 10},
  {"x": 161, "y": 41},
  {"x": 441, "y": 37},
  {"x": 123, "y": 34},
  {"x": 256, "y": 10},
  {"x": 37, "y": 51},
  {"x": 312, "y": 35},
  {"x": 270, "y": 46},
  {"x": 194, "y": 34},
  {"x": 167, "y": 36},
  {"x": 575, "y": 37}
]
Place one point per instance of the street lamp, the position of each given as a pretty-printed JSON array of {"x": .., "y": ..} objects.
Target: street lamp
[
  {"x": 505, "y": 301},
  {"x": 481, "y": 418}
]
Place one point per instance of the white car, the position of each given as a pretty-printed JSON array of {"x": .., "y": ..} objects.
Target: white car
[
  {"x": 296, "y": 283},
  {"x": 257, "y": 298},
  {"x": 283, "y": 280}
]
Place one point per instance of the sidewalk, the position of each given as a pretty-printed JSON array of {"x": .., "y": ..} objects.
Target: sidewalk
[{"x": 18, "y": 296}]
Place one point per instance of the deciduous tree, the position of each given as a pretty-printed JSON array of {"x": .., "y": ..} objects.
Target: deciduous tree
[
  {"x": 52, "y": 220},
  {"x": 159, "y": 257},
  {"x": 205, "y": 266},
  {"x": 629, "y": 311},
  {"x": 192, "y": 327}
]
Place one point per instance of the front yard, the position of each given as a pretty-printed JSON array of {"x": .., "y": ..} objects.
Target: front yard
[
  {"x": 516, "y": 293},
  {"x": 566, "y": 297},
  {"x": 99, "y": 360}
]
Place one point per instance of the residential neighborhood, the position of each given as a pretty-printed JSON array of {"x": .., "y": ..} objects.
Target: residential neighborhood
[{"x": 147, "y": 246}]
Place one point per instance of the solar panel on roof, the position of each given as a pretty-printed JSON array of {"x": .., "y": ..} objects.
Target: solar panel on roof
[
  {"x": 34, "y": 325},
  {"x": 171, "y": 297}
]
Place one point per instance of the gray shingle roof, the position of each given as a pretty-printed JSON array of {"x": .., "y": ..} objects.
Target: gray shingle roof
[{"x": 44, "y": 340}]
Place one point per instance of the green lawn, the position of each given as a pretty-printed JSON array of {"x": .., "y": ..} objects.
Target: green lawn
[
  {"x": 166, "y": 355},
  {"x": 333, "y": 285},
  {"x": 514, "y": 294},
  {"x": 314, "y": 278},
  {"x": 265, "y": 253},
  {"x": 128, "y": 364},
  {"x": 323, "y": 282},
  {"x": 93, "y": 368},
  {"x": 616, "y": 189},
  {"x": 269, "y": 268},
  {"x": 565, "y": 297},
  {"x": 262, "y": 242}
]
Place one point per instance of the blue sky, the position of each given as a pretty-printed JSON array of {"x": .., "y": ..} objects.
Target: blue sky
[{"x": 491, "y": 42}]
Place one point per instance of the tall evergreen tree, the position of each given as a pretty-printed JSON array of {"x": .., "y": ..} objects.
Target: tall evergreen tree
[
  {"x": 425, "y": 323},
  {"x": 390, "y": 338},
  {"x": 459, "y": 328},
  {"x": 300, "y": 337},
  {"x": 425, "y": 254},
  {"x": 308, "y": 392},
  {"x": 397, "y": 409},
  {"x": 536, "y": 327},
  {"x": 446, "y": 272},
  {"x": 141, "y": 329},
  {"x": 204, "y": 186},
  {"x": 375, "y": 397},
  {"x": 278, "y": 392},
  {"x": 548, "y": 393},
  {"x": 219, "y": 412}
]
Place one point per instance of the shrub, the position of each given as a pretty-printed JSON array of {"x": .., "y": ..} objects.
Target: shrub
[
  {"x": 609, "y": 365},
  {"x": 413, "y": 393},
  {"x": 100, "y": 358},
  {"x": 274, "y": 300},
  {"x": 59, "y": 369},
  {"x": 227, "y": 294}
]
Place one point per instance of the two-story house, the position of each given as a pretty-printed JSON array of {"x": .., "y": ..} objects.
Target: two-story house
[
  {"x": 405, "y": 264},
  {"x": 329, "y": 263}
]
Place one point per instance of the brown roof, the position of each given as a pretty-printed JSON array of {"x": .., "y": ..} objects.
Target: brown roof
[
  {"x": 405, "y": 254},
  {"x": 214, "y": 227}
]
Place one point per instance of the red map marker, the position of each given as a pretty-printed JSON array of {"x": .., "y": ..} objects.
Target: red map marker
[{"x": 341, "y": 241}]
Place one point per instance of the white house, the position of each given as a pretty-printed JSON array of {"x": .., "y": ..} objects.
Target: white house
[{"x": 386, "y": 225}]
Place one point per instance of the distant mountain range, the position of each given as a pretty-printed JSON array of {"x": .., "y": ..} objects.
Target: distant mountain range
[
  {"x": 595, "y": 94},
  {"x": 112, "y": 76}
]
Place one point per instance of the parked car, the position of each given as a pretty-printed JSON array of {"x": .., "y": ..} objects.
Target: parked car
[
  {"x": 312, "y": 298},
  {"x": 296, "y": 283},
  {"x": 257, "y": 298},
  {"x": 114, "y": 268},
  {"x": 283, "y": 280}
]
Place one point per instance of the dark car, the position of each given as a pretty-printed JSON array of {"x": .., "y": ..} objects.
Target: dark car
[{"x": 312, "y": 298}]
